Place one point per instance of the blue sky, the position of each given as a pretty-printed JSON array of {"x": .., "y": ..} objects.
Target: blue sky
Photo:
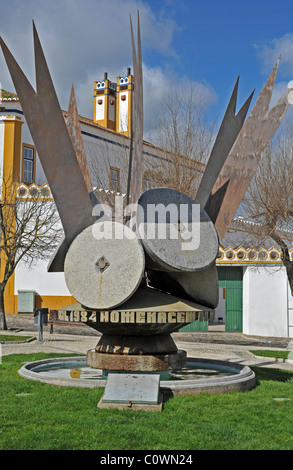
[{"x": 208, "y": 43}]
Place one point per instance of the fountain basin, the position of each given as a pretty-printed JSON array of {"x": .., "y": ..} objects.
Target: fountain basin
[{"x": 199, "y": 376}]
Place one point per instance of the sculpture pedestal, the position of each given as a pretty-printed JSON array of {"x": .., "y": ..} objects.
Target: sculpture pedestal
[
  {"x": 136, "y": 344},
  {"x": 137, "y": 363},
  {"x": 137, "y": 335}
]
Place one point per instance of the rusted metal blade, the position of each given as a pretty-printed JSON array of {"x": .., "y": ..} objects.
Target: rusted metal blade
[
  {"x": 73, "y": 126},
  {"x": 49, "y": 132},
  {"x": 136, "y": 170},
  {"x": 74, "y": 130},
  {"x": 228, "y": 132},
  {"x": 246, "y": 153},
  {"x": 214, "y": 202}
]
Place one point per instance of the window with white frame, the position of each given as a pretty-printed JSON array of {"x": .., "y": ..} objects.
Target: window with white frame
[{"x": 28, "y": 164}]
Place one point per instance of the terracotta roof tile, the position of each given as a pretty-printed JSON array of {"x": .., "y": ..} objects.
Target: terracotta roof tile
[{"x": 7, "y": 95}]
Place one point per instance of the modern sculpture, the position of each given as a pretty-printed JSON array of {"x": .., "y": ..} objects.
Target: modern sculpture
[{"x": 134, "y": 288}]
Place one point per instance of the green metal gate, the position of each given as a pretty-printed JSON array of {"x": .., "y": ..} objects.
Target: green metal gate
[
  {"x": 196, "y": 326},
  {"x": 231, "y": 279}
]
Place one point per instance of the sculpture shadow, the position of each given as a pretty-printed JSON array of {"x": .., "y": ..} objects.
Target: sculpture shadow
[{"x": 276, "y": 375}]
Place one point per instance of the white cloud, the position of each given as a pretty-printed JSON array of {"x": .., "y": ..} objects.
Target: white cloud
[
  {"x": 269, "y": 51},
  {"x": 80, "y": 37},
  {"x": 157, "y": 82},
  {"x": 279, "y": 89},
  {"x": 81, "y": 40},
  {"x": 84, "y": 39}
]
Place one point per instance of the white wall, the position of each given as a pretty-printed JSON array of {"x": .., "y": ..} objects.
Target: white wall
[
  {"x": 290, "y": 312},
  {"x": 107, "y": 148},
  {"x": 220, "y": 311},
  {"x": 265, "y": 301},
  {"x": 100, "y": 108},
  {"x": 39, "y": 280},
  {"x": 123, "y": 111}
]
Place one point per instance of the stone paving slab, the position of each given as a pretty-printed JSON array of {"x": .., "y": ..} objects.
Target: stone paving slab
[
  {"x": 223, "y": 337},
  {"x": 233, "y": 353},
  {"x": 62, "y": 343},
  {"x": 25, "y": 322}
]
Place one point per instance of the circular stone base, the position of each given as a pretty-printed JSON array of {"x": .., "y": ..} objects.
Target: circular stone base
[{"x": 149, "y": 363}]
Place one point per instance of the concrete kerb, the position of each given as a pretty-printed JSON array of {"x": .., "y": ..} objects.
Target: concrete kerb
[
  {"x": 242, "y": 379},
  {"x": 28, "y": 340}
]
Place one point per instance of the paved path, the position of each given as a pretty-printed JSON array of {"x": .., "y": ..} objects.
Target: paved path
[
  {"x": 215, "y": 344},
  {"x": 57, "y": 342}
]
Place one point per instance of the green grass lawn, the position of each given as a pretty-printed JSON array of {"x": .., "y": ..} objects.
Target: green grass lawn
[
  {"x": 35, "y": 416},
  {"x": 271, "y": 353},
  {"x": 13, "y": 338}
]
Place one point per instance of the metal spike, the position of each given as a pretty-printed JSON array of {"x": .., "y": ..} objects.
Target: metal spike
[
  {"x": 49, "y": 132},
  {"x": 74, "y": 130},
  {"x": 131, "y": 125},
  {"x": 44, "y": 85},
  {"x": 136, "y": 170},
  {"x": 228, "y": 132},
  {"x": 214, "y": 202},
  {"x": 262, "y": 103},
  {"x": 134, "y": 58},
  {"x": 246, "y": 153}
]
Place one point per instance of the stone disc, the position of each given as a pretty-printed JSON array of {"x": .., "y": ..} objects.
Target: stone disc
[
  {"x": 104, "y": 265},
  {"x": 176, "y": 233}
]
